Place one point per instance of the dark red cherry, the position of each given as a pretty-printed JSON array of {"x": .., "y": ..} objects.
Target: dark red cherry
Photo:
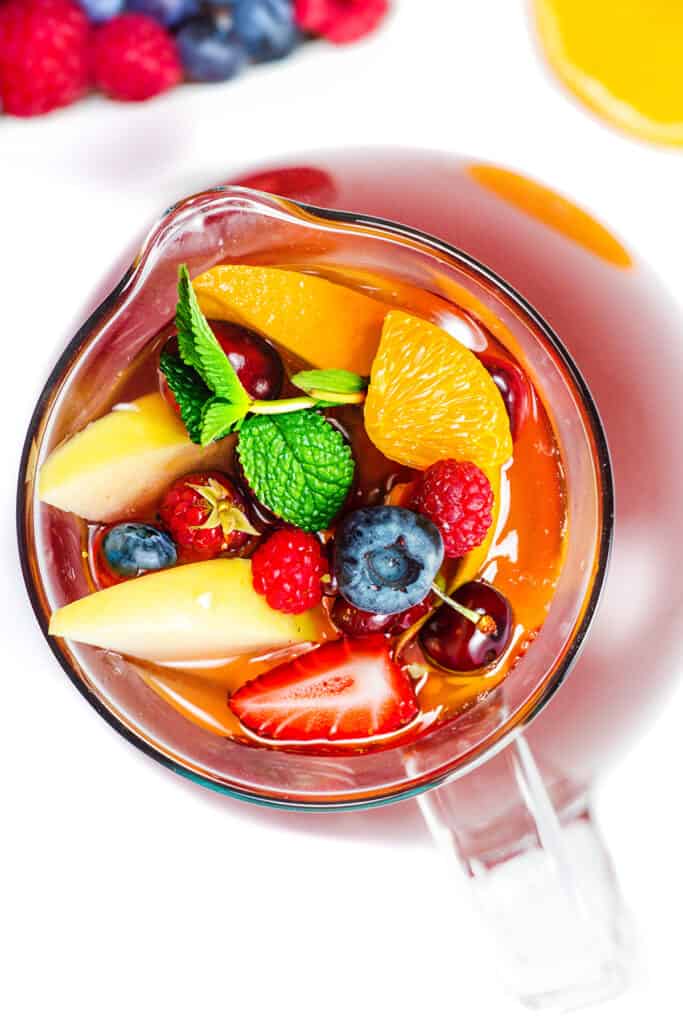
[
  {"x": 254, "y": 360},
  {"x": 513, "y": 385},
  {"x": 454, "y": 643},
  {"x": 354, "y": 622}
]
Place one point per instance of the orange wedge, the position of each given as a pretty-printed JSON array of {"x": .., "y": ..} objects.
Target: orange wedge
[
  {"x": 430, "y": 398},
  {"x": 323, "y": 323}
]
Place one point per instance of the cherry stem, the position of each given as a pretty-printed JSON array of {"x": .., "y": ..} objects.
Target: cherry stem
[{"x": 485, "y": 623}]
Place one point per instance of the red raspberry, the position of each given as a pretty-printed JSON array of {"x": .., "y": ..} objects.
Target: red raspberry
[
  {"x": 457, "y": 497},
  {"x": 44, "y": 55},
  {"x": 287, "y": 570},
  {"x": 205, "y": 514},
  {"x": 135, "y": 58},
  {"x": 340, "y": 21}
]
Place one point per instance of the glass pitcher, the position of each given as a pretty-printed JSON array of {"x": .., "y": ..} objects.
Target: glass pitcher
[{"x": 504, "y": 787}]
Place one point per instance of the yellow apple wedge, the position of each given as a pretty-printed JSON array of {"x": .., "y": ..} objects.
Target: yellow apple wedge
[
  {"x": 201, "y": 611},
  {"x": 311, "y": 316},
  {"x": 123, "y": 461}
]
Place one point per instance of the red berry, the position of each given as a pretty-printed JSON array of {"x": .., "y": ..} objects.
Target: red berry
[
  {"x": 354, "y": 622},
  {"x": 44, "y": 55},
  {"x": 457, "y": 497},
  {"x": 135, "y": 58},
  {"x": 206, "y": 515},
  {"x": 454, "y": 643},
  {"x": 340, "y": 21},
  {"x": 346, "y": 690},
  {"x": 254, "y": 360},
  {"x": 287, "y": 569}
]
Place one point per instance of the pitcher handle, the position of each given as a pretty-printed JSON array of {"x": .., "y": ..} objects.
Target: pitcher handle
[{"x": 552, "y": 902}]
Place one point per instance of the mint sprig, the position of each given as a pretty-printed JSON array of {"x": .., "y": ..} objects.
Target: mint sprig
[
  {"x": 211, "y": 397},
  {"x": 219, "y": 418},
  {"x": 189, "y": 390},
  {"x": 297, "y": 465},
  {"x": 295, "y": 461},
  {"x": 199, "y": 347},
  {"x": 338, "y": 382}
]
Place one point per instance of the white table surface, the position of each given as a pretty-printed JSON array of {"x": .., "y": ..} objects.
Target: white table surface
[{"x": 125, "y": 893}]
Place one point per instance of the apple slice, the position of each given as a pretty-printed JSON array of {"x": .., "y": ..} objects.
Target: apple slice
[
  {"x": 123, "y": 461},
  {"x": 202, "y": 611}
]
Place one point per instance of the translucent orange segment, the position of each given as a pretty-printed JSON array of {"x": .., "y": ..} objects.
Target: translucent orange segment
[
  {"x": 623, "y": 58},
  {"x": 430, "y": 398},
  {"x": 322, "y": 322}
]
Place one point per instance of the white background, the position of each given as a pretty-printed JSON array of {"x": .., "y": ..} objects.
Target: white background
[{"x": 128, "y": 894}]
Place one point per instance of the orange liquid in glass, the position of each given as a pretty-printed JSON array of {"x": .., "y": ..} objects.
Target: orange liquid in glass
[{"x": 622, "y": 58}]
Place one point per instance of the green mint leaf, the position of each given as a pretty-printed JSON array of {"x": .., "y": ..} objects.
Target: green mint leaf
[
  {"x": 219, "y": 418},
  {"x": 189, "y": 391},
  {"x": 340, "y": 382},
  {"x": 298, "y": 466},
  {"x": 199, "y": 348}
]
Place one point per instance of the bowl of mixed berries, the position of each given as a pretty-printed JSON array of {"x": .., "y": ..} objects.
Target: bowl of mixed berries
[{"x": 53, "y": 52}]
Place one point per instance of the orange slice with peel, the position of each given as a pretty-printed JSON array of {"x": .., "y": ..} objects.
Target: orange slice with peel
[
  {"x": 430, "y": 398},
  {"x": 322, "y": 322}
]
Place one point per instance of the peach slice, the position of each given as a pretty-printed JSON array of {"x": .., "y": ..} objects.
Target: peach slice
[
  {"x": 205, "y": 610},
  {"x": 123, "y": 461}
]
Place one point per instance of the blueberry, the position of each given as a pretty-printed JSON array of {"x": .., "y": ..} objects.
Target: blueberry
[
  {"x": 102, "y": 10},
  {"x": 167, "y": 12},
  {"x": 386, "y": 558},
  {"x": 266, "y": 27},
  {"x": 132, "y": 548},
  {"x": 209, "y": 51}
]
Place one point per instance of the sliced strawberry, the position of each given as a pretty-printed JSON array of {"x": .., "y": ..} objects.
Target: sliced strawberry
[{"x": 347, "y": 690}]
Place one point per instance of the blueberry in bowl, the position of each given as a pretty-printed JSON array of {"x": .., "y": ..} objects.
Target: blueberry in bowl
[
  {"x": 133, "y": 548},
  {"x": 386, "y": 558}
]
